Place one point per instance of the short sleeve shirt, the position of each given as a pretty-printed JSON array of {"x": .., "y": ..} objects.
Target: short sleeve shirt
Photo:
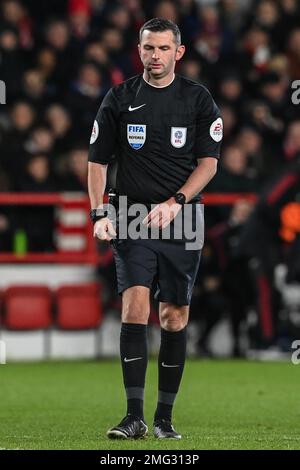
[{"x": 156, "y": 134}]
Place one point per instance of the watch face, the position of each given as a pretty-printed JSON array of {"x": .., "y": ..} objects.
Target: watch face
[{"x": 180, "y": 198}]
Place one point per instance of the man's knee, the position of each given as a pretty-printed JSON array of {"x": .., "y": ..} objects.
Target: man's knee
[{"x": 173, "y": 318}]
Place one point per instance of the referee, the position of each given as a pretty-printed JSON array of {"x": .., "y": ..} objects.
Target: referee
[{"x": 165, "y": 132}]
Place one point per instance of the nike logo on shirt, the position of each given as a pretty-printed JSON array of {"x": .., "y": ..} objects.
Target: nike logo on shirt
[
  {"x": 137, "y": 107},
  {"x": 167, "y": 365},
  {"x": 133, "y": 359}
]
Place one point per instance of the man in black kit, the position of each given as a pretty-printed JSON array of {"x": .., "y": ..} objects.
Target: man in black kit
[{"x": 165, "y": 132}]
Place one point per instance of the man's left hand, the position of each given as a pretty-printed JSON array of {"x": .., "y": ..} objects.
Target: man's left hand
[{"x": 162, "y": 214}]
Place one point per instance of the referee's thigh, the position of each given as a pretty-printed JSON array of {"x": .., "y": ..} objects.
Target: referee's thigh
[{"x": 136, "y": 305}]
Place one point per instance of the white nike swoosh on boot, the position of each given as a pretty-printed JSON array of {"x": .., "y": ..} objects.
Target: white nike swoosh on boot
[
  {"x": 137, "y": 107},
  {"x": 133, "y": 359},
  {"x": 167, "y": 365}
]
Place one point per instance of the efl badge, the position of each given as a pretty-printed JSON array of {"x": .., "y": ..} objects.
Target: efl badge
[
  {"x": 136, "y": 135},
  {"x": 95, "y": 132},
  {"x": 216, "y": 130},
  {"x": 178, "y": 136}
]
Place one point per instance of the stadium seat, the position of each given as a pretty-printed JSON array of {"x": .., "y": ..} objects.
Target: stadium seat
[
  {"x": 27, "y": 307},
  {"x": 78, "y": 306}
]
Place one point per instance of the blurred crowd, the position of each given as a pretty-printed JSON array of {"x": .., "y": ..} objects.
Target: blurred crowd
[{"x": 58, "y": 59}]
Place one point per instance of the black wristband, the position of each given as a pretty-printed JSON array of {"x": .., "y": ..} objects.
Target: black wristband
[{"x": 95, "y": 215}]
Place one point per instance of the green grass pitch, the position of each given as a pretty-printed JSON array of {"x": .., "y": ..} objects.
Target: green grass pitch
[{"x": 221, "y": 405}]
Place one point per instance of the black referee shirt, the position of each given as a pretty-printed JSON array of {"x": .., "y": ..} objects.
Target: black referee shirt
[{"x": 156, "y": 134}]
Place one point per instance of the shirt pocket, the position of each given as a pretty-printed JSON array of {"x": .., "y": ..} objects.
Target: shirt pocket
[{"x": 180, "y": 133}]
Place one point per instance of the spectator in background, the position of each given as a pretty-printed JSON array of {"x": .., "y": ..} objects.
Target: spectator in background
[
  {"x": 34, "y": 89},
  {"x": 11, "y": 60},
  {"x": 79, "y": 13},
  {"x": 260, "y": 241},
  {"x": 188, "y": 20},
  {"x": 233, "y": 172},
  {"x": 5, "y": 184},
  {"x": 137, "y": 12},
  {"x": 84, "y": 97},
  {"x": 22, "y": 118},
  {"x": 236, "y": 284},
  {"x": 230, "y": 120},
  {"x": 266, "y": 17},
  {"x": 224, "y": 286},
  {"x": 14, "y": 13},
  {"x": 46, "y": 65},
  {"x": 191, "y": 68},
  {"x": 293, "y": 54},
  {"x": 57, "y": 35},
  {"x": 291, "y": 144},
  {"x": 167, "y": 10},
  {"x": 112, "y": 40},
  {"x": 254, "y": 55},
  {"x": 251, "y": 142},
  {"x": 43, "y": 9},
  {"x": 232, "y": 177},
  {"x": 234, "y": 14},
  {"x": 289, "y": 18},
  {"x": 60, "y": 122},
  {"x": 270, "y": 128},
  {"x": 208, "y": 38},
  {"x": 279, "y": 64},
  {"x": 37, "y": 177},
  {"x": 40, "y": 140},
  {"x": 118, "y": 17},
  {"x": 96, "y": 52},
  {"x": 208, "y": 302},
  {"x": 5, "y": 228},
  {"x": 46, "y": 61},
  {"x": 274, "y": 92},
  {"x": 37, "y": 221},
  {"x": 57, "y": 38},
  {"x": 75, "y": 178},
  {"x": 231, "y": 91}
]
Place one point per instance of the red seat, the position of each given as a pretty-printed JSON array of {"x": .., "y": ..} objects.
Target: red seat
[
  {"x": 78, "y": 306},
  {"x": 27, "y": 307}
]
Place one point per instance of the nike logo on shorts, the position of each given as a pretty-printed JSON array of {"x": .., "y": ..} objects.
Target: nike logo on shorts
[
  {"x": 133, "y": 359},
  {"x": 167, "y": 365},
  {"x": 137, "y": 107}
]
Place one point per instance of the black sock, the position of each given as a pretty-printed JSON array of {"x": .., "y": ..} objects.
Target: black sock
[
  {"x": 172, "y": 353},
  {"x": 134, "y": 358}
]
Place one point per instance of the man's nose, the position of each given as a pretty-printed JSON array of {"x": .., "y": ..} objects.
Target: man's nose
[{"x": 155, "y": 54}]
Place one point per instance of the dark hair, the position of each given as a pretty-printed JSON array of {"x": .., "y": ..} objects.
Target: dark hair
[{"x": 158, "y": 25}]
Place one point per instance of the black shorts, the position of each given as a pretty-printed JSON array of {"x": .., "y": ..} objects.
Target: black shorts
[{"x": 166, "y": 262}]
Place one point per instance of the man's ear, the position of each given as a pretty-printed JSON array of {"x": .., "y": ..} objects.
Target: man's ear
[
  {"x": 139, "y": 49},
  {"x": 180, "y": 52}
]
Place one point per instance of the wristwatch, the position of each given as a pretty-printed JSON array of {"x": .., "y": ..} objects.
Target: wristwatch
[
  {"x": 180, "y": 198},
  {"x": 97, "y": 214}
]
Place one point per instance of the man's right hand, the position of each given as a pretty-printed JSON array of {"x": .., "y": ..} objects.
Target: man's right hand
[{"x": 104, "y": 230}]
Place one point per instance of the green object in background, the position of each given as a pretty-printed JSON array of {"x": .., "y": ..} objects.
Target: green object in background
[{"x": 20, "y": 242}]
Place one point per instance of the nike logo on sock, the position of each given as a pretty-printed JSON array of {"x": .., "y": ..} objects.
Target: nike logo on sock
[
  {"x": 133, "y": 359},
  {"x": 167, "y": 365},
  {"x": 137, "y": 107}
]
